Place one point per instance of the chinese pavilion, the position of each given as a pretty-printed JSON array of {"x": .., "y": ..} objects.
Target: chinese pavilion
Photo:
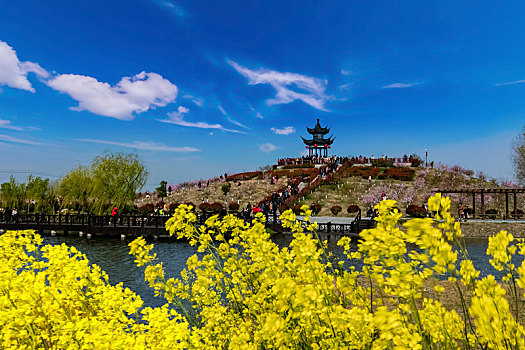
[{"x": 318, "y": 145}]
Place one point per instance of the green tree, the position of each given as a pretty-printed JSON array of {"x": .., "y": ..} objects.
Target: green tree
[
  {"x": 13, "y": 193},
  {"x": 116, "y": 179},
  {"x": 77, "y": 186},
  {"x": 37, "y": 190},
  {"x": 518, "y": 157},
  {"x": 161, "y": 190},
  {"x": 226, "y": 188},
  {"x": 111, "y": 180}
]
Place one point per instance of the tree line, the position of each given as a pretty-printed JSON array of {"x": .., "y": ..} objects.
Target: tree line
[{"x": 111, "y": 180}]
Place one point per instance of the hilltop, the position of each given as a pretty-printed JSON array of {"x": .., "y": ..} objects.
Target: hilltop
[{"x": 348, "y": 185}]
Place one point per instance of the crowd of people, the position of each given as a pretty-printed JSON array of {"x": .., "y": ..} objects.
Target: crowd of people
[
  {"x": 404, "y": 160},
  {"x": 272, "y": 204},
  {"x": 372, "y": 159},
  {"x": 307, "y": 160},
  {"x": 270, "y": 207},
  {"x": 9, "y": 215}
]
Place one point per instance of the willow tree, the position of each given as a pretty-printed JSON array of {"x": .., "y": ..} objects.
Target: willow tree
[
  {"x": 13, "y": 193},
  {"x": 117, "y": 177},
  {"x": 111, "y": 180},
  {"x": 77, "y": 187}
]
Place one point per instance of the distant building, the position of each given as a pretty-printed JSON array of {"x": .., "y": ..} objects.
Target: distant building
[{"x": 318, "y": 145}]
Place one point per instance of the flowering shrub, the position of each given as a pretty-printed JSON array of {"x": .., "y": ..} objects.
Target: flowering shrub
[
  {"x": 352, "y": 208},
  {"x": 336, "y": 209},
  {"x": 205, "y": 207},
  {"x": 216, "y": 207},
  {"x": 146, "y": 208},
  {"x": 246, "y": 292},
  {"x": 310, "y": 173},
  {"x": 297, "y": 209},
  {"x": 316, "y": 208},
  {"x": 233, "y": 206},
  {"x": 363, "y": 172},
  {"x": 245, "y": 176},
  {"x": 404, "y": 174},
  {"x": 283, "y": 207},
  {"x": 416, "y": 211},
  {"x": 52, "y": 298}
]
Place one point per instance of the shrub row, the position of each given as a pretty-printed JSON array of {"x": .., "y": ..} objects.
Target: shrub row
[
  {"x": 416, "y": 211},
  {"x": 404, "y": 174},
  {"x": 363, "y": 172},
  {"x": 292, "y": 173},
  {"x": 245, "y": 176},
  {"x": 214, "y": 207}
]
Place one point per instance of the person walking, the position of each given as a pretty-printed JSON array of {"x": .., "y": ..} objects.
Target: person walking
[
  {"x": 8, "y": 215},
  {"x": 14, "y": 215},
  {"x": 460, "y": 211}
]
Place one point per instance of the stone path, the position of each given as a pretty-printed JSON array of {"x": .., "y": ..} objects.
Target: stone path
[{"x": 332, "y": 219}]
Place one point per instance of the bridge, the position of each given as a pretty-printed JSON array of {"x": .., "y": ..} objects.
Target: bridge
[{"x": 145, "y": 225}]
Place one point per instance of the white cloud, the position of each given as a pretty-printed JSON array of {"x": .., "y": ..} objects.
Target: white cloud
[
  {"x": 6, "y": 124},
  {"x": 178, "y": 119},
  {"x": 287, "y": 130},
  {"x": 267, "y": 147},
  {"x": 131, "y": 95},
  {"x": 400, "y": 85},
  {"x": 146, "y": 146},
  {"x": 282, "y": 82},
  {"x": 172, "y": 7},
  {"x": 345, "y": 72},
  {"x": 257, "y": 114},
  {"x": 222, "y": 110},
  {"x": 345, "y": 87},
  {"x": 230, "y": 119},
  {"x": 196, "y": 100},
  {"x": 13, "y": 73},
  {"x": 8, "y": 138},
  {"x": 511, "y": 83}
]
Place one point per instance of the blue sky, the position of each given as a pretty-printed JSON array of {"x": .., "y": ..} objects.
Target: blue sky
[{"x": 199, "y": 88}]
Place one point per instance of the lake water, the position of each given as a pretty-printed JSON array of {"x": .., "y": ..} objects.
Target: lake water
[{"x": 112, "y": 255}]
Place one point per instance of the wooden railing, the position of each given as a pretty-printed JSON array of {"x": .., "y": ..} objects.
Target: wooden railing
[{"x": 80, "y": 221}]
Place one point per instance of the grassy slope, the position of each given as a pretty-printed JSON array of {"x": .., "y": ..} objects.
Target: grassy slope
[
  {"x": 355, "y": 190},
  {"x": 350, "y": 190},
  {"x": 249, "y": 191}
]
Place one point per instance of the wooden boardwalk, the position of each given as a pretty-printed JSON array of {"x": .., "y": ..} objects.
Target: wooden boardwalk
[{"x": 143, "y": 225}]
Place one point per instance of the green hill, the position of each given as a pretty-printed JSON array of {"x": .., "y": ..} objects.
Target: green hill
[{"x": 349, "y": 185}]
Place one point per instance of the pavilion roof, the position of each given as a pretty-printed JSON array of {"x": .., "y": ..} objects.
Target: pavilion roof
[
  {"x": 320, "y": 142},
  {"x": 318, "y": 129}
]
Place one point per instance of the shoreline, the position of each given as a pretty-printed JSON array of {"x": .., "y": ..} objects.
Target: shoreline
[{"x": 471, "y": 229}]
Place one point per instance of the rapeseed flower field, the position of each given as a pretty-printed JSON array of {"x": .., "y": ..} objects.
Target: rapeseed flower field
[{"x": 244, "y": 292}]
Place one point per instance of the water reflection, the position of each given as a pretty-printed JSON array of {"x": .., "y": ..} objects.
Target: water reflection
[{"x": 113, "y": 257}]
